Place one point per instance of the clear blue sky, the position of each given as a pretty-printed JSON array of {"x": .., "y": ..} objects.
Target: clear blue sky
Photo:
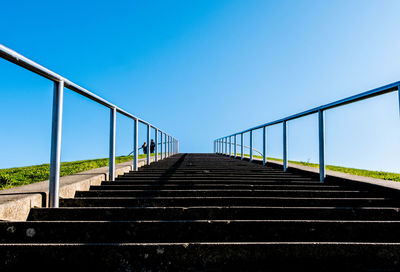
[{"x": 202, "y": 70}]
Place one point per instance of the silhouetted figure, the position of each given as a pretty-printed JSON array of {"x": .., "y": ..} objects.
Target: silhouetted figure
[
  {"x": 144, "y": 147},
  {"x": 152, "y": 146}
]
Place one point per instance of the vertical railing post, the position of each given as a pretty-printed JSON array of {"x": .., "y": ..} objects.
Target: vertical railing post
[
  {"x": 165, "y": 145},
  {"x": 285, "y": 146},
  {"x": 148, "y": 144},
  {"x": 234, "y": 142},
  {"x": 168, "y": 146},
  {"x": 226, "y": 145},
  {"x": 321, "y": 129},
  {"x": 230, "y": 146},
  {"x": 113, "y": 115},
  {"x": 264, "y": 146},
  {"x": 241, "y": 146},
  {"x": 156, "y": 146},
  {"x": 135, "y": 145},
  {"x": 161, "y": 145},
  {"x": 55, "y": 152},
  {"x": 251, "y": 145}
]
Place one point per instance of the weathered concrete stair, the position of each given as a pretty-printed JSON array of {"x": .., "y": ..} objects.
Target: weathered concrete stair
[{"x": 196, "y": 212}]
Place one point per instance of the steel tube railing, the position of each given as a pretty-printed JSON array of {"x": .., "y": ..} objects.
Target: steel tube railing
[
  {"x": 111, "y": 175},
  {"x": 156, "y": 146},
  {"x": 235, "y": 148},
  {"x": 148, "y": 144},
  {"x": 321, "y": 125},
  {"x": 251, "y": 145},
  {"x": 241, "y": 150},
  {"x": 285, "y": 146},
  {"x": 321, "y": 141},
  {"x": 161, "y": 146},
  {"x": 230, "y": 146},
  {"x": 55, "y": 152},
  {"x": 165, "y": 145},
  {"x": 264, "y": 141},
  {"x": 135, "y": 145}
]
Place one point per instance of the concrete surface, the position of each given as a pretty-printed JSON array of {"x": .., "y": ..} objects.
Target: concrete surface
[{"x": 15, "y": 203}]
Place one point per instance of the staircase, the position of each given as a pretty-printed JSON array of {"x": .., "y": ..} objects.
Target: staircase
[{"x": 196, "y": 212}]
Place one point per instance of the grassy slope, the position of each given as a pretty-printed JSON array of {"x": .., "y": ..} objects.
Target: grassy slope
[
  {"x": 352, "y": 171},
  {"x": 13, "y": 177}
]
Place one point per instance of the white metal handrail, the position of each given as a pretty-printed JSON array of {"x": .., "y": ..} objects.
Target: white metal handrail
[
  {"x": 221, "y": 144},
  {"x": 170, "y": 144}
]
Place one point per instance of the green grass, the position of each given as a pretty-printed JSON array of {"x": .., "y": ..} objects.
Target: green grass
[
  {"x": 13, "y": 177},
  {"x": 352, "y": 171}
]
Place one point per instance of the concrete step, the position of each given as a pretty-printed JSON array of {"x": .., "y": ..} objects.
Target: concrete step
[
  {"x": 227, "y": 201},
  {"x": 210, "y": 182},
  {"x": 200, "y": 178},
  {"x": 112, "y": 186},
  {"x": 199, "y": 231},
  {"x": 244, "y": 256},
  {"x": 214, "y": 213},
  {"x": 226, "y": 193}
]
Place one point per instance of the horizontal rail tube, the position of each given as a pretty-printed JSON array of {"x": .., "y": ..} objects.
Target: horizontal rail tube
[
  {"x": 20, "y": 60},
  {"x": 358, "y": 97}
]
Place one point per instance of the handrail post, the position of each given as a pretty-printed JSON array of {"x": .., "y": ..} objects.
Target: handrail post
[
  {"x": 251, "y": 145},
  {"x": 285, "y": 146},
  {"x": 230, "y": 146},
  {"x": 148, "y": 144},
  {"x": 113, "y": 115},
  {"x": 235, "y": 148},
  {"x": 226, "y": 146},
  {"x": 241, "y": 146},
  {"x": 168, "y": 145},
  {"x": 156, "y": 146},
  {"x": 165, "y": 145},
  {"x": 135, "y": 145},
  {"x": 55, "y": 152},
  {"x": 321, "y": 129},
  {"x": 264, "y": 146},
  {"x": 161, "y": 145}
]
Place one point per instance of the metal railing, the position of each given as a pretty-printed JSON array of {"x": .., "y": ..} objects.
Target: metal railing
[
  {"x": 171, "y": 145},
  {"x": 221, "y": 144}
]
